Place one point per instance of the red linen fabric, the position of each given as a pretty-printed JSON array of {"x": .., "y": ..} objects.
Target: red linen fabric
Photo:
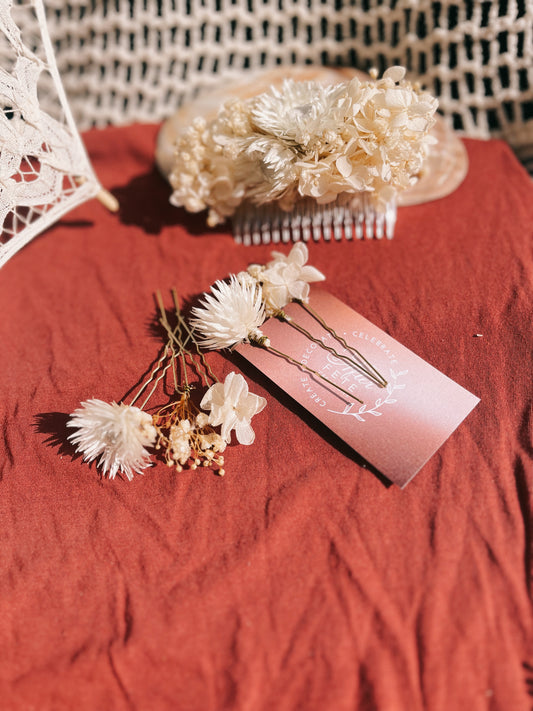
[{"x": 300, "y": 580}]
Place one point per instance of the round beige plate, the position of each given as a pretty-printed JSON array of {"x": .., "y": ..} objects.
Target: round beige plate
[{"x": 444, "y": 170}]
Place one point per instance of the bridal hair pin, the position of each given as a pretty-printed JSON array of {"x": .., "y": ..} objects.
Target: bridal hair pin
[
  {"x": 286, "y": 279},
  {"x": 123, "y": 437},
  {"x": 307, "y": 160},
  {"x": 235, "y": 310}
]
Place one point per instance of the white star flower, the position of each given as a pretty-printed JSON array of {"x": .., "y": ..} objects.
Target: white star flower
[
  {"x": 117, "y": 434},
  {"x": 232, "y": 313},
  {"x": 287, "y": 277},
  {"x": 232, "y": 406}
]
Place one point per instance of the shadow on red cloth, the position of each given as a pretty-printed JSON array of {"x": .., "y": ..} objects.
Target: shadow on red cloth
[
  {"x": 144, "y": 202},
  {"x": 74, "y": 224},
  {"x": 54, "y": 424},
  {"x": 310, "y": 420},
  {"x": 528, "y": 669}
]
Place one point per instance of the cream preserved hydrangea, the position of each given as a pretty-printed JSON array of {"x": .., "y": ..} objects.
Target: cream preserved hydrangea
[
  {"x": 299, "y": 114},
  {"x": 206, "y": 172},
  {"x": 232, "y": 406},
  {"x": 306, "y": 140}
]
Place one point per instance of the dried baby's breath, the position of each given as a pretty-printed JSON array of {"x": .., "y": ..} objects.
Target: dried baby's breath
[{"x": 185, "y": 437}]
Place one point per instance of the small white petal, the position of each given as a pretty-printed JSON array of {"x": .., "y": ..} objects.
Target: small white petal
[
  {"x": 395, "y": 73},
  {"x": 244, "y": 433},
  {"x": 344, "y": 166},
  {"x": 310, "y": 274},
  {"x": 397, "y": 98}
]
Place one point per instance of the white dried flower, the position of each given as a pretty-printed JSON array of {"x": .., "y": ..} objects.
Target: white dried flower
[
  {"x": 232, "y": 406},
  {"x": 211, "y": 168},
  {"x": 300, "y": 113},
  {"x": 212, "y": 441},
  {"x": 232, "y": 313},
  {"x": 116, "y": 433},
  {"x": 306, "y": 139},
  {"x": 255, "y": 271},
  {"x": 287, "y": 277},
  {"x": 247, "y": 278},
  {"x": 201, "y": 420},
  {"x": 179, "y": 442}
]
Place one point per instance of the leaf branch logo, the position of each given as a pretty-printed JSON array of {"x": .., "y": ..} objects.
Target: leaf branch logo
[{"x": 353, "y": 409}]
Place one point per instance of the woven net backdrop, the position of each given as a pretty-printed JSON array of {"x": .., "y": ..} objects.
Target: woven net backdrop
[{"x": 137, "y": 60}]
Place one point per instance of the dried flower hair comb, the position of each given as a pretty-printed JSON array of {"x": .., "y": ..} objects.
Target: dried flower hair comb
[{"x": 309, "y": 156}]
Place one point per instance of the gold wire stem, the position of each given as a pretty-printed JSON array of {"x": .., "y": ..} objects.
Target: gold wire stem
[
  {"x": 180, "y": 323},
  {"x": 152, "y": 375},
  {"x": 164, "y": 321},
  {"x": 182, "y": 352},
  {"x": 190, "y": 335},
  {"x": 271, "y": 349},
  {"x": 157, "y": 381},
  {"x": 174, "y": 339},
  {"x": 184, "y": 366},
  {"x": 164, "y": 355},
  {"x": 340, "y": 339},
  {"x": 281, "y": 316},
  {"x": 171, "y": 332},
  {"x": 174, "y": 368}
]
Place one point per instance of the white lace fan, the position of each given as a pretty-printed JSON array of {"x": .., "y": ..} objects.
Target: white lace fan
[{"x": 44, "y": 169}]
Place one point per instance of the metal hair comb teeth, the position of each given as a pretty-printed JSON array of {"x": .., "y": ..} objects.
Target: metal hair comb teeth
[{"x": 267, "y": 224}]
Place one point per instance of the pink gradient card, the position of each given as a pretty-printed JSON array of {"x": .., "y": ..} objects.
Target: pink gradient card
[{"x": 397, "y": 428}]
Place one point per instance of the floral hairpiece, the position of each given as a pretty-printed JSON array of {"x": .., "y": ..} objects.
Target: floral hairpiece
[
  {"x": 305, "y": 140},
  {"x": 122, "y": 437},
  {"x": 234, "y": 311}
]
